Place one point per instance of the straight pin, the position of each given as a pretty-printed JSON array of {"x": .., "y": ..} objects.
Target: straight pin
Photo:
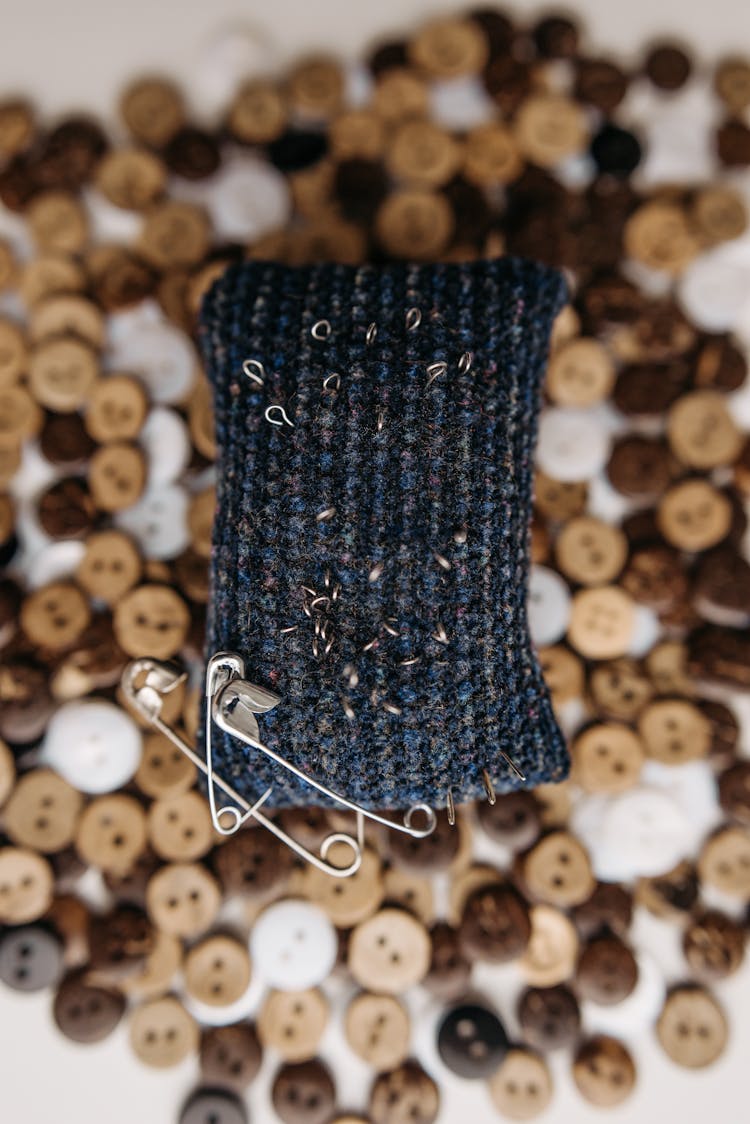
[
  {"x": 489, "y": 787},
  {"x": 451, "y": 808},
  {"x": 380, "y": 419},
  {"x": 410, "y": 661},
  {"x": 391, "y": 707},
  {"x": 441, "y": 560},
  {"x": 376, "y": 572},
  {"x": 289, "y": 629},
  {"x": 371, "y": 334},
  {"x": 326, "y": 513},
  {"x": 440, "y": 634},
  {"x": 388, "y": 627},
  {"x": 465, "y": 362},
  {"x": 514, "y": 767},
  {"x": 348, "y": 711}
]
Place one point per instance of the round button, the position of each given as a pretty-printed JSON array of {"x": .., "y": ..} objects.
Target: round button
[
  {"x": 521, "y": 1088},
  {"x": 86, "y": 1012},
  {"x": 552, "y": 951},
  {"x": 549, "y": 1017},
  {"x": 26, "y": 885},
  {"x": 293, "y": 945},
  {"x": 180, "y": 828},
  {"x": 607, "y": 757},
  {"x": 67, "y": 315},
  {"x": 403, "y": 1094},
  {"x": 659, "y": 236},
  {"x": 175, "y": 233},
  {"x": 378, "y": 1030},
  {"x": 57, "y": 222},
  {"x": 249, "y": 199},
  {"x": 42, "y": 812},
  {"x": 692, "y": 1028},
  {"x": 548, "y": 606},
  {"x": 230, "y": 1055},
  {"x": 450, "y": 970},
  {"x": 557, "y": 870},
  {"x": 602, "y": 622},
  {"x": 112, "y": 833},
  {"x": 495, "y": 924},
  {"x": 609, "y": 907},
  {"x": 411, "y": 891},
  {"x": 471, "y": 1041},
  {"x": 31, "y": 958},
  {"x": 213, "y": 1106},
  {"x": 701, "y": 431},
  {"x": 724, "y": 862},
  {"x": 162, "y": 1033},
  {"x": 434, "y": 852},
  {"x": 303, "y": 1093},
  {"x": 164, "y": 771},
  {"x": 152, "y": 620},
  {"x": 158, "y": 522},
  {"x": 674, "y": 731},
  {"x": 217, "y": 971},
  {"x": 62, "y": 374},
  {"x": 422, "y": 153},
  {"x": 607, "y": 971},
  {"x": 7, "y": 772},
  {"x": 590, "y": 552},
  {"x": 558, "y": 499},
  {"x": 694, "y": 515},
  {"x": 347, "y": 901},
  {"x": 414, "y": 223},
  {"x": 573, "y": 444},
  {"x": 713, "y": 945},
  {"x": 165, "y": 441},
  {"x": 449, "y": 47},
  {"x": 293, "y": 1022},
  {"x": 550, "y": 128},
  {"x": 183, "y": 899},
  {"x": 163, "y": 357},
  {"x": 93, "y": 744},
  {"x": 491, "y": 155},
  {"x": 54, "y": 616},
  {"x": 158, "y": 970},
  {"x": 389, "y": 952},
  {"x": 116, "y": 409},
  {"x": 513, "y": 820},
  {"x": 119, "y": 942},
  {"x": 580, "y": 373},
  {"x": 251, "y": 862},
  {"x": 603, "y": 1071},
  {"x": 734, "y": 792},
  {"x": 117, "y": 476}
]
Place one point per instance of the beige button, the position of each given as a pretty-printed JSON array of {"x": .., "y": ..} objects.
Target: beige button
[
  {"x": 563, "y": 673},
  {"x": 62, "y": 373},
  {"x": 158, "y": 972},
  {"x": 315, "y": 87},
  {"x": 131, "y": 178},
  {"x": 554, "y": 802},
  {"x": 116, "y": 409},
  {"x": 694, "y": 515},
  {"x": 558, "y": 499},
  {"x": 389, "y": 952},
  {"x": 112, "y": 833},
  {"x": 550, "y": 128},
  {"x": 692, "y": 1027},
  {"x": 217, "y": 971},
  {"x": 491, "y": 155},
  {"x": 399, "y": 94},
  {"x": 347, "y": 901},
  {"x": 660, "y": 236},
  {"x": 42, "y": 812},
  {"x": 580, "y": 373},
  {"x": 724, "y": 862},
  {"x": 10, "y": 457},
  {"x": 414, "y": 893},
  {"x": 8, "y": 266},
  {"x": 162, "y": 1033},
  {"x": 183, "y": 899},
  {"x": 13, "y": 354},
  {"x": 602, "y": 621},
  {"x": 720, "y": 214},
  {"x": 666, "y": 664},
  {"x": 414, "y": 224},
  {"x": 378, "y": 1030},
  {"x": 292, "y": 1023},
  {"x": 590, "y": 551},
  {"x": 164, "y": 771},
  {"x": 117, "y": 476},
  {"x": 67, "y": 314},
  {"x": 54, "y": 616},
  {"x": 20, "y": 417},
  {"x": 26, "y": 885},
  {"x": 7, "y": 772},
  {"x": 732, "y": 83},
  {"x": 701, "y": 431},
  {"x": 356, "y": 134},
  {"x": 603, "y": 1071},
  {"x": 153, "y": 110},
  {"x": 551, "y": 953},
  {"x": 200, "y": 518},
  {"x": 179, "y": 828},
  {"x": 110, "y": 566},
  {"x": 258, "y": 113},
  {"x": 57, "y": 222},
  {"x": 619, "y": 688},
  {"x": 557, "y": 870},
  {"x": 607, "y": 758},
  {"x": 565, "y": 328},
  {"x": 465, "y": 882},
  {"x": 175, "y": 233},
  {"x": 49, "y": 274},
  {"x": 152, "y": 620},
  {"x": 423, "y": 154},
  {"x": 521, "y": 1088},
  {"x": 449, "y": 47},
  {"x": 674, "y": 731}
]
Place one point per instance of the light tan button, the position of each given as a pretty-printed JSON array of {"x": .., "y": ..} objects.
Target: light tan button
[
  {"x": 603, "y": 1071},
  {"x": 389, "y": 952},
  {"x": 619, "y": 688},
  {"x": 7, "y": 772},
  {"x": 724, "y": 862},
  {"x": 62, "y": 373},
  {"x": 701, "y": 431},
  {"x": 692, "y": 1027},
  {"x": 449, "y": 47},
  {"x": 551, "y": 953},
  {"x": 151, "y": 621},
  {"x": 10, "y": 456},
  {"x": 110, "y": 566},
  {"x": 414, "y": 224},
  {"x": 112, "y": 833},
  {"x": 720, "y": 214},
  {"x": 158, "y": 972},
  {"x": 13, "y": 354},
  {"x": 164, "y": 771},
  {"x": 347, "y": 901},
  {"x": 557, "y": 870},
  {"x": 558, "y": 499},
  {"x": 175, "y": 233},
  {"x": 42, "y": 812},
  {"x": 550, "y": 128},
  {"x": 732, "y": 83},
  {"x": 57, "y": 222},
  {"x": 521, "y": 1088},
  {"x": 580, "y": 373},
  {"x": 153, "y": 110},
  {"x": 400, "y": 93},
  {"x": 378, "y": 1030},
  {"x": 674, "y": 731},
  {"x": 356, "y": 134},
  {"x": 292, "y": 1023},
  {"x": 666, "y": 664},
  {"x": 414, "y": 893},
  {"x": 17, "y": 124},
  {"x": 590, "y": 551},
  {"x": 26, "y": 885},
  {"x": 607, "y": 758},
  {"x": 465, "y": 882},
  {"x": 131, "y": 178},
  {"x": 117, "y": 476},
  {"x": 563, "y": 673},
  {"x": 116, "y": 408},
  {"x": 694, "y": 515},
  {"x": 217, "y": 971},
  {"x": 315, "y": 87},
  {"x": 423, "y": 154},
  {"x": 49, "y": 274},
  {"x": 180, "y": 828},
  {"x": 200, "y": 518},
  {"x": 491, "y": 155},
  {"x": 554, "y": 801},
  {"x": 54, "y": 616},
  {"x": 162, "y": 1033},
  {"x": 660, "y": 236},
  {"x": 67, "y": 314},
  {"x": 565, "y": 328},
  {"x": 258, "y": 113},
  {"x": 602, "y": 621},
  {"x": 183, "y": 899}
]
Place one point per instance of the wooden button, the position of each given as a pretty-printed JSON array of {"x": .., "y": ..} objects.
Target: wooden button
[
  {"x": 557, "y": 870},
  {"x": 692, "y": 1027},
  {"x": 389, "y": 952},
  {"x": 724, "y": 862},
  {"x": 159, "y": 969},
  {"x": 67, "y": 315},
  {"x": 112, "y": 833},
  {"x": 217, "y": 971},
  {"x": 550, "y": 128},
  {"x": 54, "y": 616},
  {"x": 183, "y": 899},
  {"x": 7, "y": 520},
  {"x": 602, "y": 621},
  {"x": 449, "y": 48},
  {"x": 230, "y": 1055},
  {"x": 111, "y": 565},
  {"x": 116, "y": 409},
  {"x": 85, "y": 1012},
  {"x": 734, "y": 791},
  {"x": 450, "y": 969},
  {"x": 131, "y": 178},
  {"x": 607, "y": 971},
  {"x": 48, "y": 275},
  {"x": 491, "y": 155},
  {"x": 659, "y": 235},
  {"x": 7, "y": 772},
  {"x": 152, "y": 620},
  {"x": 495, "y": 924},
  {"x": 303, "y": 1093},
  {"x": 423, "y": 154},
  {"x": 719, "y": 214},
  {"x": 552, "y": 951},
  {"x": 26, "y": 885},
  {"x": 521, "y": 1088},
  {"x": 405, "y": 1093},
  {"x": 62, "y": 373},
  {"x": 471, "y": 1040},
  {"x": 580, "y": 373},
  {"x": 315, "y": 87},
  {"x": 258, "y": 113},
  {"x": 165, "y": 771},
  {"x": 356, "y": 134},
  {"x": 674, "y": 731},
  {"x": 153, "y": 110},
  {"x": 42, "y": 812},
  {"x": 175, "y": 234},
  {"x": 378, "y": 1030},
  {"x": 399, "y": 94},
  {"x": 414, "y": 224},
  {"x": 607, "y": 758},
  {"x": 670, "y": 895},
  {"x": 559, "y": 499},
  {"x": 609, "y": 907},
  {"x": 590, "y": 551},
  {"x": 603, "y": 1071},
  {"x": 732, "y": 83},
  {"x": 434, "y": 852},
  {"x": 701, "y": 431},
  {"x": 640, "y": 467},
  {"x": 162, "y": 1033},
  {"x": 655, "y": 577},
  {"x": 17, "y": 124},
  {"x": 563, "y": 673},
  {"x": 513, "y": 820},
  {"x": 292, "y": 1023},
  {"x": 180, "y": 828},
  {"x": 347, "y": 901},
  {"x": 713, "y": 945},
  {"x": 117, "y": 476},
  {"x": 57, "y": 222},
  {"x": 13, "y": 354},
  {"x": 411, "y": 891},
  {"x": 549, "y": 1016}
]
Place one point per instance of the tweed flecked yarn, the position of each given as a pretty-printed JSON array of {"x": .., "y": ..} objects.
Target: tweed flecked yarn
[{"x": 370, "y": 559}]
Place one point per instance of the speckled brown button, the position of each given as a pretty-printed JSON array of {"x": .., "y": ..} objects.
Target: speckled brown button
[
  {"x": 557, "y": 870},
  {"x": 720, "y": 214},
  {"x": 491, "y": 155},
  {"x": 119, "y": 942},
  {"x": 303, "y": 1092},
  {"x": 450, "y": 969},
  {"x": 552, "y": 951},
  {"x": 179, "y": 827},
  {"x": 423, "y": 154},
  {"x": 389, "y": 952},
  {"x": 175, "y": 233},
  {"x": 152, "y": 620},
  {"x": 734, "y": 792},
  {"x": 607, "y": 971},
  {"x": 57, "y": 221},
  {"x": 434, "y": 852},
  {"x": 162, "y": 1033},
  {"x": 165, "y": 771},
  {"x": 54, "y": 616},
  {"x": 589, "y": 551},
  {"x": 7, "y": 772},
  {"x": 26, "y": 701},
  {"x": 117, "y": 476},
  {"x": 292, "y": 1023},
  {"x": 603, "y": 1071},
  {"x": 580, "y": 373},
  {"x": 550, "y": 128},
  {"x": 607, "y": 758},
  {"x": 86, "y": 1012},
  {"x": 62, "y": 373},
  {"x": 152, "y": 109},
  {"x": 378, "y": 1030},
  {"x": 660, "y": 236},
  {"x": 563, "y": 673},
  {"x": 67, "y": 314},
  {"x": 701, "y": 431},
  {"x": 640, "y": 467},
  {"x": 13, "y": 354},
  {"x": 158, "y": 970},
  {"x": 183, "y": 899},
  {"x": 724, "y": 862},
  {"x": 513, "y": 820},
  {"x": 230, "y": 1055},
  {"x": 111, "y": 565},
  {"x": 732, "y": 82},
  {"x": 347, "y": 901},
  {"x": 713, "y": 945},
  {"x": 251, "y": 862},
  {"x": 26, "y": 884},
  {"x": 609, "y": 907},
  {"x": 692, "y": 1027},
  {"x": 405, "y": 1095},
  {"x": 521, "y": 1087},
  {"x": 48, "y": 274},
  {"x": 449, "y": 48},
  {"x": 217, "y": 970},
  {"x": 111, "y": 833},
  {"x": 131, "y": 178},
  {"x": 42, "y": 812},
  {"x": 416, "y": 224},
  {"x": 258, "y": 112},
  {"x": 549, "y": 1017},
  {"x": 670, "y": 895},
  {"x": 654, "y": 576},
  {"x": 559, "y": 499},
  {"x": 601, "y": 623},
  {"x": 495, "y": 924},
  {"x": 116, "y": 408},
  {"x": 694, "y": 515},
  {"x": 674, "y": 731},
  {"x": 66, "y": 509}
]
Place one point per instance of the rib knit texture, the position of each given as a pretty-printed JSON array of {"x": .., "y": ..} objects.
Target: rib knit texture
[{"x": 370, "y": 561}]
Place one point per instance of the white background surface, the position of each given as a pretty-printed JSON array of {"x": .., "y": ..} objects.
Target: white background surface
[{"x": 76, "y": 54}]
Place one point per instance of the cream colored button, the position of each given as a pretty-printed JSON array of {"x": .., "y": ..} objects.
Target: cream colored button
[
  {"x": 42, "y": 812},
  {"x": 602, "y": 622},
  {"x": 49, "y": 274},
  {"x": 7, "y": 772},
  {"x": 158, "y": 971},
  {"x": 674, "y": 731},
  {"x": 179, "y": 828},
  {"x": 701, "y": 431},
  {"x": 110, "y": 566},
  {"x": 607, "y": 758},
  {"x": 112, "y": 833},
  {"x": 591, "y": 552},
  {"x": 491, "y": 155},
  {"x": 660, "y": 236},
  {"x": 550, "y": 128},
  {"x": 347, "y": 901},
  {"x": 603, "y": 1071},
  {"x": 62, "y": 374},
  {"x": 563, "y": 673},
  {"x": 54, "y": 616},
  {"x": 378, "y": 1030},
  {"x": 13, "y": 355},
  {"x": 162, "y": 1033},
  {"x": 217, "y": 971},
  {"x": 692, "y": 1027},
  {"x": 292, "y": 1023},
  {"x": 183, "y": 899},
  {"x": 551, "y": 953},
  {"x": 116, "y": 408},
  {"x": 389, "y": 952},
  {"x": 521, "y": 1088},
  {"x": 57, "y": 221},
  {"x": 694, "y": 515},
  {"x": 117, "y": 476},
  {"x": 153, "y": 110},
  {"x": 165, "y": 771},
  {"x": 26, "y": 885},
  {"x": 402, "y": 887},
  {"x": 557, "y": 870},
  {"x": 580, "y": 373},
  {"x": 315, "y": 87},
  {"x": 724, "y": 862},
  {"x": 152, "y": 620},
  {"x": 67, "y": 314}
]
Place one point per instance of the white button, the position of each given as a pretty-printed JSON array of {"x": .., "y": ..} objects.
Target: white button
[
  {"x": 639, "y": 833},
  {"x": 160, "y": 355},
  {"x": 460, "y": 103},
  {"x": 635, "y": 1013},
  {"x": 693, "y": 786},
  {"x": 249, "y": 198},
  {"x": 605, "y": 503},
  {"x": 358, "y": 85},
  {"x": 109, "y": 223},
  {"x": 646, "y": 631},
  {"x": 54, "y": 562},
  {"x": 573, "y": 444},
  {"x": 158, "y": 522},
  {"x": 548, "y": 606},
  {"x": 166, "y": 443},
  {"x": 679, "y": 137},
  {"x": 93, "y": 744},
  {"x": 713, "y": 291},
  {"x": 293, "y": 945},
  {"x": 233, "y": 55}
]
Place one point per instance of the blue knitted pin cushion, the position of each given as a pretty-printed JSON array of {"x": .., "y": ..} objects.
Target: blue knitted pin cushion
[{"x": 370, "y": 559}]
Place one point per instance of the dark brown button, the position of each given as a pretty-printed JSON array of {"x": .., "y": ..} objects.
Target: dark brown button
[
  {"x": 25, "y": 701},
  {"x": 640, "y": 467},
  {"x": 607, "y": 970},
  {"x": 251, "y": 862},
  {"x": 120, "y": 942},
  {"x": 31, "y": 958},
  {"x": 654, "y": 576},
  {"x": 213, "y": 1106},
  {"x": 667, "y": 66},
  {"x": 733, "y": 144},
  {"x": 66, "y": 510},
  {"x": 192, "y": 153},
  {"x": 450, "y": 970},
  {"x": 85, "y": 1012},
  {"x": 471, "y": 1041},
  {"x": 131, "y": 885},
  {"x": 609, "y": 907},
  {"x": 556, "y": 37},
  {"x": 495, "y": 924},
  {"x": 721, "y": 587},
  {"x": 435, "y": 852},
  {"x": 720, "y": 655},
  {"x": 405, "y": 1095},
  {"x": 600, "y": 83},
  {"x": 725, "y": 732},
  {"x": 513, "y": 819},
  {"x": 303, "y": 1093},
  {"x": 549, "y": 1017},
  {"x": 714, "y": 945},
  {"x": 119, "y": 278},
  {"x": 734, "y": 792},
  {"x": 669, "y": 895},
  {"x": 230, "y": 1055},
  {"x": 604, "y": 1071},
  {"x": 65, "y": 442}
]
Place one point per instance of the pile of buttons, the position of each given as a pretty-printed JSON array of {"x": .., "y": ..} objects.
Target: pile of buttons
[{"x": 478, "y": 135}]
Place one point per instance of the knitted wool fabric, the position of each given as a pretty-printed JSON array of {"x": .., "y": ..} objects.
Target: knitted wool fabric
[{"x": 370, "y": 559}]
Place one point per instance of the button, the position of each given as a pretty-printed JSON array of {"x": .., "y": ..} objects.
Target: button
[
  {"x": 550, "y": 128},
  {"x": 558, "y": 499},
  {"x": 230, "y": 1055},
  {"x": 258, "y": 113},
  {"x": 27, "y": 703},
  {"x": 292, "y": 1023},
  {"x": 450, "y": 970},
  {"x": 13, "y": 356},
  {"x": 389, "y": 952},
  {"x": 434, "y": 852},
  {"x": 521, "y": 1088},
  {"x": 449, "y": 47},
  {"x": 590, "y": 552},
  {"x": 411, "y": 891},
  {"x": 734, "y": 792},
  {"x": 249, "y": 199},
  {"x": 153, "y": 110},
  {"x": 303, "y": 1093},
  {"x": 692, "y": 1028},
  {"x": 93, "y": 744},
  {"x": 712, "y": 291},
  {"x": 213, "y": 1106},
  {"x": 607, "y": 971},
  {"x": 724, "y": 862},
  {"x": 251, "y": 862},
  {"x": 674, "y": 731},
  {"x": 557, "y": 870},
  {"x": 413, "y": 223},
  {"x": 403, "y": 1094},
  {"x": 158, "y": 970},
  {"x": 42, "y": 812},
  {"x": 164, "y": 771},
  {"x": 378, "y": 1030},
  {"x": 217, "y": 971},
  {"x": 152, "y": 620},
  {"x": 165, "y": 441},
  {"x": 66, "y": 509},
  {"x": 67, "y": 315},
  {"x": 347, "y": 901},
  {"x": 117, "y": 476},
  {"x": 111, "y": 565},
  {"x": 179, "y": 828},
  {"x": 563, "y": 674},
  {"x": 62, "y": 374},
  {"x": 7, "y": 772},
  {"x": 57, "y": 222},
  {"x": 174, "y": 233},
  {"x": 549, "y": 1017},
  {"x": 119, "y": 942},
  {"x": 573, "y": 445},
  {"x": 293, "y": 945},
  {"x": 603, "y": 1071},
  {"x": 31, "y": 958},
  {"x": 26, "y": 884},
  {"x": 116, "y": 408},
  {"x": 732, "y": 83},
  {"x": 131, "y": 178},
  {"x": 162, "y": 1033},
  {"x": 552, "y": 951},
  {"x": 694, "y": 515},
  {"x": 513, "y": 819},
  {"x": 86, "y": 1012},
  {"x": 422, "y": 153},
  {"x": 20, "y": 417},
  {"x": 548, "y": 606},
  {"x": 607, "y": 757},
  {"x": 159, "y": 354},
  {"x": 659, "y": 236},
  {"x": 183, "y": 899},
  {"x": 111, "y": 833},
  {"x": 609, "y": 907},
  {"x": 158, "y": 522},
  {"x": 491, "y": 155},
  {"x": 640, "y": 467},
  {"x": 701, "y": 432},
  {"x": 602, "y": 622},
  {"x": 471, "y": 1041},
  {"x": 495, "y": 924},
  {"x": 655, "y": 577},
  {"x": 713, "y": 945},
  {"x": 643, "y": 831},
  {"x": 580, "y": 373},
  {"x": 54, "y": 616}
]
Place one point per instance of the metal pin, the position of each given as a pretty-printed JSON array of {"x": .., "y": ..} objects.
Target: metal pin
[
  {"x": 441, "y": 560},
  {"x": 327, "y": 578},
  {"x": 320, "y": 599},
  {"x": 465, "y": 362},
  {"x": 306, "y": 609},
  {"x": 370, "y": 644},
  {"x": 335, "y": 592},
  {"x": 284, "y": 418},
  {"x": 391, "y": 707},
  {"x": 380, "y": 419},
  {"x": 326, "y": 513},
  {"x": 440, "y": 634},
  {"x": 289, "y": 628},
  {"x": 351, "y": 672},
  {"x": 348, "y": 711},
  {"x": 434, "y": 371},
  {"x": 321, "y": 330},
  {"x": 254, "y": 370},
  {"x": 489, "y": 787},
  {"x": 514, "y": 767},
  {"x": 410, "y": 661},
  {"x": 329, "y": 645},
  {"x": 332, "y": 382},
  {"x": 388, "y": 627},
  {"x": 376, "y": 572},
  {"x": 459, "y": 535},
  {"x": 371, "y": 334},
  {"x": 413, "y": 319},
  {"x": 451, "y": 808}
]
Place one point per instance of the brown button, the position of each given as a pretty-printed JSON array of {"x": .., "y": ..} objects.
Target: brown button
[
  {"x": 389, "y": 952},
  {"x": 602, "y": 621},
  {"x": 674, "y": 731},
  {"x": 659, "y": 236},
  {"x": 724, "y": 862},
  {"x": 153, "y": 110},
  {"x": 112, "y": 833},
  {"x": 175, "y": 233},
  {"x": 49, "y": 274},
  {"x": 609, "y": 907},
  {"x": 557, "y": 870},
  {"x": 692, "y": 1027},
  {"x": 639, "y": 467},
  {"x": 549, "y": 1017},
  {"x": 26, "y": 884},
  {"x": 714, "y": 945},
  {"x": 13, "y": 355},
  {"x": 116, "y": 408},
  {"x": 580, "y": 373},
  {"x": 20, "y": 417},
  {"x": 513, "y": 820},
  {"x": 258, "y": 113},
  {"x": 42, "y": 812},
  {"x": 607, "y": 758},
  {"x": 555, "y": 801},
  {"x": 495, "y": 924},
  {"x": 378, "y": 1030},
  {"x": 413, "y": 892},
  {"x": 131, "y": 178},
  {"x": 67, "y": 314},
  {"x": 117, "y": 476},
  {"x": 66, "y": 510},
  {"x": 179, "y": 828},
  {"x": 464, "y": 882},
  {"x": 733, "y": 144},
  {"x": 252, "y": 862},
  {"x": 119, "y": 942},
  {"x": 400, "y": 93},
  {"x": 603, "y": 1071},
  {"x": 165, "y": 771},
  {"x": 701, "y": 431},
  {"x": 158, "y": 970},
  {"x": 423, "y": 154},
  {"x": 217, "y": 971},
  {"x": 162, "y": 1033},
  {"x": 110, "y": 566},
  {"x": 491, "y": 155},
  {"x": 303, "y": 1093},
  {"x": 589, "y": 551},
  {"x": 550, "y": 128},
  {"x": 670, "y": 895},
  {"x": 552, "y": 951},
  {"x": 607, "y": 970},
  {"x": 65, "y": 442},
  {"x": 449, "y": 48},
  {"x": 57, "y": 222},
  {"x": 414, "y": 224},
  {"x": 732, "y": 83},
  {"x": 558, "y": 499},
  {"x": 667, "y": 66},
  {"x": 724, "y": 734},
  {"x": 405, "y": 1095},
  {"x": 152, "y": 620},
  {"x": 734, "y": 792},
  {"x": 54, "y": 616},
  {"x": 26, "y": 701},
  {"x": 315, "y": 87},
  {"x": 230, "y": 1055},
  {"x": 434, "y": 852},
  {"x": 450, "y": 970},
  {"x": 293, "y": 1022},
  {"x": 720, "y": 214},
  {"x": 694, "y": 515},
  {"x": 521, "y": 1088},
  {"x": 9, "y": 268},
  {"x": 347, "y": 901},
  {"x": 600, "y": 82},
  {"x": 666, "y": 665},
  {"x": 183, "y": 899},
  {"x": 563, "y": 673},
  {"x": 654, "y": 576},
  {"x": 17, "y": 122},
  {"x": 86, "y": 1012},
  {"x": 721, "y": 586},
  {"x": 62, "y": 373},
  {"x": 7, "y": 772}
]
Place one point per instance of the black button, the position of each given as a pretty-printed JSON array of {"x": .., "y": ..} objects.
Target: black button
[
  {"x": 213, "y": 1106},
  {"x": 616, "y": 151},
  {"x": 472, "y": 1041}
]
